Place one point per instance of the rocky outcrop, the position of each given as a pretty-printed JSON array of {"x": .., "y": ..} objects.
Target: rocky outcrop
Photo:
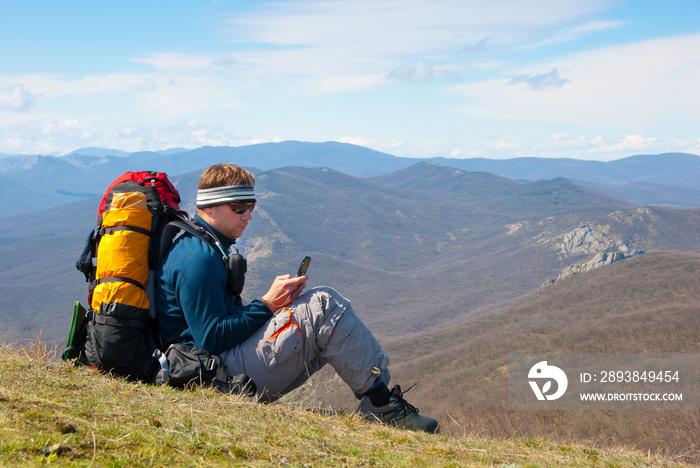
[
  {"x": 600, "y": 259},
  {"x": 591, "y": 239},
  {"x": 587, "y": 239}
]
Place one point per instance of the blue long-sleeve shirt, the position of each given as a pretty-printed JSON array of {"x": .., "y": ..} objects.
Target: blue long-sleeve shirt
[{"x": 191, "y": 298}]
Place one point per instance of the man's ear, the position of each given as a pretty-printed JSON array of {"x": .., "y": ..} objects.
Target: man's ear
[{"x": 205, "y": 213}]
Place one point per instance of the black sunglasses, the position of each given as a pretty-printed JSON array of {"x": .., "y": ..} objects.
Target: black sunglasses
[{"x": 240, "y": 208}]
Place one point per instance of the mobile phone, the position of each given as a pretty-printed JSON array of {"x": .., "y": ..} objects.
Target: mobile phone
[{"x": 304, "y": 266}]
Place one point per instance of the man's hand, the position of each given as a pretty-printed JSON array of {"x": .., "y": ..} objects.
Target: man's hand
[{"x": 283, "y": 291}]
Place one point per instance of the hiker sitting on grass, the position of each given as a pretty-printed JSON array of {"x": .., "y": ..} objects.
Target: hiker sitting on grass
[{"x": 281, "y": 338}]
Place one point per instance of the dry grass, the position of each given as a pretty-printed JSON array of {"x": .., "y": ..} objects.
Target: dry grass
[
  {"x": 650, "y": 304},
  {"x": 53, "y": 412}
]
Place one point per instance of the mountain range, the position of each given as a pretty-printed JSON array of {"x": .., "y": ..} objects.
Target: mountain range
[
  {"x": 31, "y": 183},
  {"x": 450, "y": 268},
  {"x": 476, "y": 241}
]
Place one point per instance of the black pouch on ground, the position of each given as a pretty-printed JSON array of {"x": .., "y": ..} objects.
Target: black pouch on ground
[{"x": 191, "y": 365}]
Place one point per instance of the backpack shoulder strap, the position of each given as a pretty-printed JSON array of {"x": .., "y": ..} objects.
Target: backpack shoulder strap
[
  {"x": 189, "y": 225},
  {"x": 236, "y": 265}
]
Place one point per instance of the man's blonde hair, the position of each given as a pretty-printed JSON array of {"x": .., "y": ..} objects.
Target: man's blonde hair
[{"x": 223, "y": 174}]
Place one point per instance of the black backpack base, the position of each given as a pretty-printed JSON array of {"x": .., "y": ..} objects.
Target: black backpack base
[{"x": 180, "y": 366}]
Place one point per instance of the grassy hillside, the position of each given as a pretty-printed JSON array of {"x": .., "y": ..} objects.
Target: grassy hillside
[
  {"x": 53, "y": 413},
  {"x": 649, "y": 304}
]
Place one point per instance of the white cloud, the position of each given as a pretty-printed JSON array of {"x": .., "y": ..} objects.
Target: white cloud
[
  {"x": 421, "y": 71},
  {"x": 186, "y": 95},
  {"x": 420, "y": 149},
  {"x": 359, "y": 141},
  {"x": 403, "y": 40},
  {"x": 50, "y": 86},
  {"x": 16, "y": 98},
  {"x": 607, "y": 149},
  {"x": 325, "y": 84},
  {"x": 173, "y": 93},
  {"x": 63, "y": 136},
  {"x": 571, "y": 33},
  {"x": 541, "y": 81},
  {"x": 79, "y": 129},
  {"x": 35, "y": 137},
  {"x": 183, "y": 134},
  {"x": 221, "y": 64},
  {"x": 635, "y": 85},
  {"x": 560, "y": 146},
  {"x": 630, "y": 143},
  {"x": 595, "y": 26},
  {"x": 389, "y": 27}
]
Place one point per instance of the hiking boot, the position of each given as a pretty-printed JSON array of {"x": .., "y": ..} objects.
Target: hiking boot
[{"x": 398, "y": 412}]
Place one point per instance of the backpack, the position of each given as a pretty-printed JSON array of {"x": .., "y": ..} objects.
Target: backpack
[{"x": 137, "y": 220}]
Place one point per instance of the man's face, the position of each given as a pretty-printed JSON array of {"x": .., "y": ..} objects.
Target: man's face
[{"x": 225, "y": 220}]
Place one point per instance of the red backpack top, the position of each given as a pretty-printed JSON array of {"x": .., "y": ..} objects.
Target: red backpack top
[{"x": 167, "y": 193}]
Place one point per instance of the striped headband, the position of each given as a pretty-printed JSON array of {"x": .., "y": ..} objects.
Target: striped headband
[{"x": 227, "y": 194}]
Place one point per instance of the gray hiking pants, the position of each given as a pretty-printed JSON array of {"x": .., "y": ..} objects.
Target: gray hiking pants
[{"x": 319, "y": 327}]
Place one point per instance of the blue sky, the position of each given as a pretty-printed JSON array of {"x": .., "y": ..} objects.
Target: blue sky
[{"x": 586, "y": 79}]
